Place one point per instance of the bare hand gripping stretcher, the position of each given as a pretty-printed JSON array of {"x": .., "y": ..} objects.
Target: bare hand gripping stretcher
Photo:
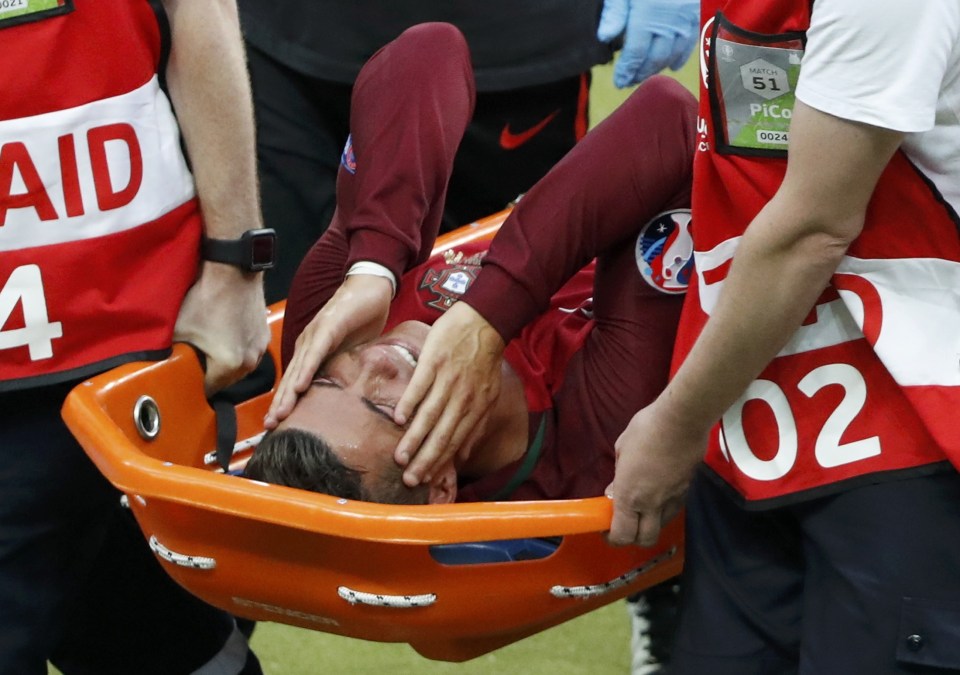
[{"x": 455, "y": 581}]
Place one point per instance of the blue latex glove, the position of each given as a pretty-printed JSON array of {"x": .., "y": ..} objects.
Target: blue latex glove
[{"x": 656, "y": 34}]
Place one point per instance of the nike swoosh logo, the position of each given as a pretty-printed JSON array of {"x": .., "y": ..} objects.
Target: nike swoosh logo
[{"x": 511, "y": 141}]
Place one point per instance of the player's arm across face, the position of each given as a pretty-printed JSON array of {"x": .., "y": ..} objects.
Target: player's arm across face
[
  {"x": 585, "y": 205},
  {"x": 783, "y": 262}
]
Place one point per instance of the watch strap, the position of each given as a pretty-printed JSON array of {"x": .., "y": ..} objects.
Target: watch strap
[{"x": 254, "y": 251}]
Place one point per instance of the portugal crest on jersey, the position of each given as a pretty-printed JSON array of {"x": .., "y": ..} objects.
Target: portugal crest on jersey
[
  {"x": 664, "y": 251},
  {"x": 446, "y": 284}
]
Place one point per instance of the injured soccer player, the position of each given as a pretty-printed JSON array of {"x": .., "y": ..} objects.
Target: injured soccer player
[{"x": 580, "y": 291}]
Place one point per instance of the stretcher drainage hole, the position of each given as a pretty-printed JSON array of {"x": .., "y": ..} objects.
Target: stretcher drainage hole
[{"x": 146, "y": 417}]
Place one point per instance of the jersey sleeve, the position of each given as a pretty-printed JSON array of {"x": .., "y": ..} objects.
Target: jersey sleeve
[
  {"x": 632, "y": 166},
  {"x": 409, "y": 109}
]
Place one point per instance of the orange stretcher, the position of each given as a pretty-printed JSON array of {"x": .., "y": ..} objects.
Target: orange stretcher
[{"x": 454, "y": 581}]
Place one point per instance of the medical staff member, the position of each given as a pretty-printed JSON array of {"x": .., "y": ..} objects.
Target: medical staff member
[
  {"x": 101, "y": 224},
  {"x": 818, "y": 349}
]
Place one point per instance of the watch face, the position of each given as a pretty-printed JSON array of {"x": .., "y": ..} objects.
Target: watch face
[{"x": 262, "y": 250}]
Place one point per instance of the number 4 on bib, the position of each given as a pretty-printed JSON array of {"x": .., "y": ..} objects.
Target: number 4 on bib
[{"x": 25, "y": 286}]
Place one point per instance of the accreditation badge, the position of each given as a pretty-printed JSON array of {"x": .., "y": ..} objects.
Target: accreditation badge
[
  {"x": 754, "y": 80},
  {"x": 15, "y": 12}
]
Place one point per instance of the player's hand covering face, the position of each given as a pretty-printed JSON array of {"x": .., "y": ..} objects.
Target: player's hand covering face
[
  {"x": 351, "y": 399},
  {"x": 357, "y": 312},
  {"x": 456, "y": 383}
]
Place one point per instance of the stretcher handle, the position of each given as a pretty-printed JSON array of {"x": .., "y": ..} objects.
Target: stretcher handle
[
  {"x": 196, "y": 562},
  {"x": 381, "y": 600},
  {"x": 594, "y": 590}
]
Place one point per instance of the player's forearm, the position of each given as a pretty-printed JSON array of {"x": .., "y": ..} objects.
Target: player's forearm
[
  {"x": 410, "y": 106},
  {"x": 210, "y": 91}
]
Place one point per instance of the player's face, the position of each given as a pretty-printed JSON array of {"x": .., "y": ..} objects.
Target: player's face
[{"x": 351, "y": 401}]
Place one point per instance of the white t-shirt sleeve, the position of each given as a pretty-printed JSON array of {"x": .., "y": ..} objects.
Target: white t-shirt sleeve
[{"x": 880, "y": 62}]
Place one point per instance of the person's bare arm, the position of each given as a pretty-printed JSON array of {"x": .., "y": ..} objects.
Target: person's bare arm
[
  {"x": 224, "y": 313},
  {"x": 784, "y": 261}
]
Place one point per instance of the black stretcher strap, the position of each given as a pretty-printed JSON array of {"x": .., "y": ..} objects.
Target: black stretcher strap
[{"x": 224, "y": 404}]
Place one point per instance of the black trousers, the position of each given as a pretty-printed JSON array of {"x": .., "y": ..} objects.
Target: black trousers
[
  {"x": 862, "y": 582},
  {"x": 78, "y": 584}
]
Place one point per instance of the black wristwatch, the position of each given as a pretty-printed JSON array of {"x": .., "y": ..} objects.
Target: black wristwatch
[{"x": 254, "y": 251}]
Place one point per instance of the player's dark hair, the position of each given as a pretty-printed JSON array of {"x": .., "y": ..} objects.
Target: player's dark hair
[{"x": 300, "y": 459}]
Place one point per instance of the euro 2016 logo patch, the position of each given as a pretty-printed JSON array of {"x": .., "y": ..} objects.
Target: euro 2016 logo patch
[
  {"x": 665, "y": 251},
  {"x": 348, "y": 160}
]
